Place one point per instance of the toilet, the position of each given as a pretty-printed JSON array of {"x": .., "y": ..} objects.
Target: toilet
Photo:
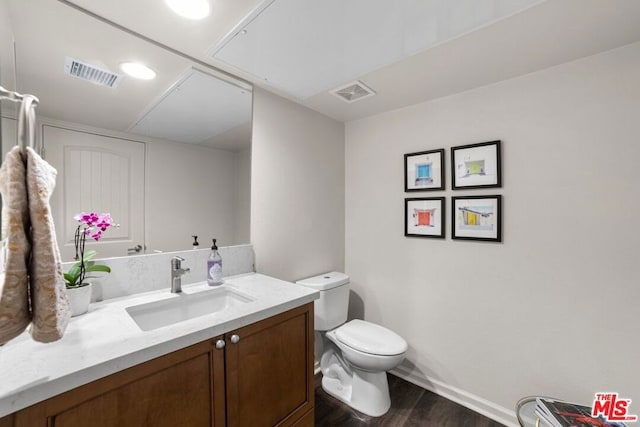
[{"x": 356, "y": 355}]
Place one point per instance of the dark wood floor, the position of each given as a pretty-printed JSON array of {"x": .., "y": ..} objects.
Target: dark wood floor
[{"x": 411, "y": 406}]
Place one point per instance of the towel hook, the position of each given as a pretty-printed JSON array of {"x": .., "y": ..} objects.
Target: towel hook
[
  {"x": 26, "y": 117},
  {"x": 15, "y": 96},
  {"x": 27, "y": 122}
]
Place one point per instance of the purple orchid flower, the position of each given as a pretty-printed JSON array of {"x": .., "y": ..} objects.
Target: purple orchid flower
[{"x": 90, "y": 224}]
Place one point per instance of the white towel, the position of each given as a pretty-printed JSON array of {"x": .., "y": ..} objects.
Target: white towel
[
  {"x": 49, "y": 303},
  {"x": 32, "y": 286},
  {"x": 14, "y": 287}
]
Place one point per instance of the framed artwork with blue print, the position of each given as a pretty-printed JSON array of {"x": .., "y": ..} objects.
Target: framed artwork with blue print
[{"x": 424, "y": 170}]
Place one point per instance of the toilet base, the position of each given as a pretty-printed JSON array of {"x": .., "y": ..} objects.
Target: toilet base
[{"x": 367, "y": 392}]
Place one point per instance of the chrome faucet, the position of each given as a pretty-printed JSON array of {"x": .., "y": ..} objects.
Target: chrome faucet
[{"x": 176, "y": 274}]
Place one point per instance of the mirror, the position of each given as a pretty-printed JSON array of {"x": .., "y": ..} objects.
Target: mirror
[{"x": 168, "y": 157}]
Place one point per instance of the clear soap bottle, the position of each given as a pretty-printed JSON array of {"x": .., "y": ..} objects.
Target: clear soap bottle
[{"x": 214, "y": 266}]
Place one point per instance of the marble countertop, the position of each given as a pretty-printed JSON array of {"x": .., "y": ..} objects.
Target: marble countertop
[{"x": 107, "y": 340}]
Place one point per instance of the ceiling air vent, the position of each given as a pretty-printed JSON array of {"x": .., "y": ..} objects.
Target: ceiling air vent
[
  {"x": 353, "y": 91},
  {"x": 91, "y": 73}
]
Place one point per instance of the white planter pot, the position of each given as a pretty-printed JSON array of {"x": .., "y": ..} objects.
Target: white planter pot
[{"x": 79, "y": 299}]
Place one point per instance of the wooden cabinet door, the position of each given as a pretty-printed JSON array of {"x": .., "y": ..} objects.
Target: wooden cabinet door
[
  {"x": 6, "y": 421},
  {"x": 173, "y": 390},
  {"x": 270, "y": 370}
]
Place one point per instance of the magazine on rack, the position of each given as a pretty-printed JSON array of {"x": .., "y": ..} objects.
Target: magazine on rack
[{"x": 556, "y": 413}]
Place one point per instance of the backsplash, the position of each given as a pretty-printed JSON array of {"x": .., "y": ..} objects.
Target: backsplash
[{"x": 142, "y": 273}]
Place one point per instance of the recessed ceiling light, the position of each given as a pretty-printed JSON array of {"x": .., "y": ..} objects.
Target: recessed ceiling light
[
  {"x": 138, "y": 70},
  {"x": 191, "y": 9}
]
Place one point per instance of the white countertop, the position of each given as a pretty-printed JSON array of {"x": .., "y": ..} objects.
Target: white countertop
[{"x": 107, "y": 340}]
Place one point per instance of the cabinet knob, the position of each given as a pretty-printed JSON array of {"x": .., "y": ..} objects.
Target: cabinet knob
[
  {"x": 220, "y": 344},
  {"x": 235, "y": 338}
]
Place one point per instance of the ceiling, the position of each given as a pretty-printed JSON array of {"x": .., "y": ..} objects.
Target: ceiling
[
  {"x": 307, "y": 47},
  {"x": 542, "y": 35}
]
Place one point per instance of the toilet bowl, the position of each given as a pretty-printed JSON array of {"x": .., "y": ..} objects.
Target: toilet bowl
[
  {"x": 368, "y": 346},
  {"x": 352, "y": 369},
  {"x": 356, "y": 355}
]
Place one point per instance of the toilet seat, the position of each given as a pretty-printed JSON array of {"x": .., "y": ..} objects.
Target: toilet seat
[{"x": 370, "y": 338}]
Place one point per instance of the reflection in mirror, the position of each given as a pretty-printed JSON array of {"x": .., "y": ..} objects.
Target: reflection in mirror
[
  {"x": 168, "y": 157},
  {"x": 7, "y": 71}
]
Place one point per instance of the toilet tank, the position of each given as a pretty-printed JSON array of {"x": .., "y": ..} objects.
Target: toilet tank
[{"x": 330, "y": 310}]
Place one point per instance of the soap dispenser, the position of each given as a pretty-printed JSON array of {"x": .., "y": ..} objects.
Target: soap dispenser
[
  {"x": 214, "y": 266},
  {"x": 196, "y": 245}
]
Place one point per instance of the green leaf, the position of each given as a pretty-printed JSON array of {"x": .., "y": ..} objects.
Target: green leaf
[
  {"x": 89, "y": 255},
  {"x": 74, "y": 272},
  {"x": 98, "y": 267},
  {"x": 72, "y": 277},
  {"x": 71, "y": 280}
]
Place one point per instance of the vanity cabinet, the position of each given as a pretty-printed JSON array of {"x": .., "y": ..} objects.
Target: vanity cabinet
[{"x": 257, "y": 375}]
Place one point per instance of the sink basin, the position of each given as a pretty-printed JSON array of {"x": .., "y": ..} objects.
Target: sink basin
[{"x": 184, "y": 306}]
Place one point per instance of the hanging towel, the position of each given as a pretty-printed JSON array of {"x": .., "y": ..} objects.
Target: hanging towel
[
  {"x": 49, "y": 303},
  {"x": 14, "y": 286}
]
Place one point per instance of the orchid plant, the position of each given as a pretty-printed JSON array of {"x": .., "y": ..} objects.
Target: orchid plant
[{"x": 93, "y": 225}]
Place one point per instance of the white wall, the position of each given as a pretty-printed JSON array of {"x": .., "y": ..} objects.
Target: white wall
[
  {"x": 7, "y": 63},
  {"x": 242, "y": 196},
  {"x": 7, "y": 79},
  {"x": 191, "y": 191},
  {"x": 553, "y": 310},
  {"x": 297, "y": 189},
  {"x": 9, "y": 135}
]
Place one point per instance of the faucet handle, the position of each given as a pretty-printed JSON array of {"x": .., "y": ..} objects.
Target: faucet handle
[{"x": 175, "y": 261}]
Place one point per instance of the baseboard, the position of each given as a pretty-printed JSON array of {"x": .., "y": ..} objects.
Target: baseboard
[{"x": 464, "y": 398}]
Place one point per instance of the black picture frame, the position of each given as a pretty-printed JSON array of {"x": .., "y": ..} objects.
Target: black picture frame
[
  {"x": 477, "y": 218},
  {"x": 424, "y": 171},
  {"x": 476, "y": 166},
  {"x": 424, "y": 217}
]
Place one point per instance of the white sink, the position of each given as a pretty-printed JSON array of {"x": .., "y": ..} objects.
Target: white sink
[{"x": 182, "y": 306}]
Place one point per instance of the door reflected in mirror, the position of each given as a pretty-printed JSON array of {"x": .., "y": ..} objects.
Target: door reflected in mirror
[{"x": 168, "y": 157}]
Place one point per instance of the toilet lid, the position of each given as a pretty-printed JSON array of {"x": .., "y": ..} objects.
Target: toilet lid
[{"x": 371, "y": 338}]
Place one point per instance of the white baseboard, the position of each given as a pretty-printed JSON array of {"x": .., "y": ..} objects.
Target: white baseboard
[{"x": 475, "y": 403}]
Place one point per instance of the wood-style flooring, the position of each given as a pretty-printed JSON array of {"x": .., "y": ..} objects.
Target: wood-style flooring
[{"x": 411, "y": 406}]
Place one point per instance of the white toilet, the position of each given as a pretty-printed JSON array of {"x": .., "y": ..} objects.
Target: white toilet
[{"x": 355, "y": 355}]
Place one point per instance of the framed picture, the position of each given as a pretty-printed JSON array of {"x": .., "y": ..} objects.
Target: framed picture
[
  {"x": 424, "y": 217},
  {"x": 476, "y": 218},
  {"x": 476, "y": 166},
  {"x": 424, "y": 171}
]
